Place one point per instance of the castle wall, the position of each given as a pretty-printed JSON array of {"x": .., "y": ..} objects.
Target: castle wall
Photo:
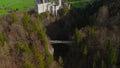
[
  {"x": 40, "y": 8},
  {"x": 43, "y": 7}
]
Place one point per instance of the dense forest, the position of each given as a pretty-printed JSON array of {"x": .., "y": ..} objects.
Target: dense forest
[{"x": 25, "y": 37}]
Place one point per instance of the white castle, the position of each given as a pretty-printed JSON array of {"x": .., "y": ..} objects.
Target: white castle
[{"x": 47, "y": 5}]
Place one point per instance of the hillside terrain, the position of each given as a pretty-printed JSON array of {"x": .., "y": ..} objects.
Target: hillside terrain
[
  {"x": 98, "y": 42},
  {"x": 24, "y": 43},
  {"x": 25, "y": 37},
  {"x": 95, "y": 31},
  {"x": 7, "y": 6}
]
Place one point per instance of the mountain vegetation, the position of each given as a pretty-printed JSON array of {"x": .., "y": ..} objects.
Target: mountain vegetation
[{"x": 25, "y": 37}]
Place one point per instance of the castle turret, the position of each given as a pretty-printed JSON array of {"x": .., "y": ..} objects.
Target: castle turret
[{"x": 60, "y": 3}]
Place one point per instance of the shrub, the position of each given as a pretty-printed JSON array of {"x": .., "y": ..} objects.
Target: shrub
[
  {"x": 97, "y": 56},
  {"x": 91, "y": 31},
  {"x": 85, "y": 51},
  {"x": 60, "y": 60},
  {"x": 2, "y": 39},
  {"x": 38, "y": 57},
  {"x": 36, "y": 26},
  {"x": 40, "y": 17},
  {"x": 96, "y": 59},
  {"x": 94, "y": 64},
  {"x": 26, "y": 20},
  {"x": 26, "y": 49},
  {"x": 41, "y": 61},
  {"x": 48, "y": 60},
  {"x": 14, "y": 18},
  {"x": 78, "y": 36},
  {"x": 64, "y": 11},
  {"x": 28, "y": 64},
  {"x": 103, "y": 65},
  {"x": 19, "y": 47},
  {"x": 43, "y": 38},
  {"x": 112, "y": 54}
]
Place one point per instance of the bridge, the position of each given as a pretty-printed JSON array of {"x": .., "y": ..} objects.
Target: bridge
[
  {"x": 68, "y": 42},
  {"x": 62, "y": 42}
]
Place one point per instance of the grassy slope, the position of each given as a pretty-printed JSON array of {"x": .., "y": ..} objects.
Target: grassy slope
[
  {"x": 21, "y": 5},
  {"x": 80, "y": 4}
]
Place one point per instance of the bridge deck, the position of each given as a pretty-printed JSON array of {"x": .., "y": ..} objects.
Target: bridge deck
[{"x": 58, "y": 41}]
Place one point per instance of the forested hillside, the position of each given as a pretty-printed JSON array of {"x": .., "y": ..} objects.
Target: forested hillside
[
  {"x": 95, "y": 32},
  {"x": 25, "y": 37},
  {"x": 97, "y": 42},
  {"x": 24, "y": 43}
]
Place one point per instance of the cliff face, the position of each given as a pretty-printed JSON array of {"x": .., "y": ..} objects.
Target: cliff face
[
  {"x": 24, "y": 43},
  {"x": 95, "y": 31},
  {"x": 98, "y": 41}
]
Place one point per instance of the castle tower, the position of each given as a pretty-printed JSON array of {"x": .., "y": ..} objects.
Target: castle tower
[
  {"x": 60, "y": 3},
  {"x": 46, "y": 5}
]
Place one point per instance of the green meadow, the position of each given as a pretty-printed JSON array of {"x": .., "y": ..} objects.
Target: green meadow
[
  {"x": 7, "y": 6},
  {"x": 80, "y": 4}
]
